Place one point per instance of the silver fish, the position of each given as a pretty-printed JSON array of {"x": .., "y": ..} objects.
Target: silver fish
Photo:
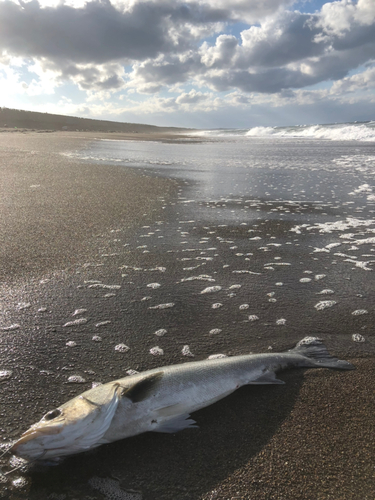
[{"x": 159, "y": 400}]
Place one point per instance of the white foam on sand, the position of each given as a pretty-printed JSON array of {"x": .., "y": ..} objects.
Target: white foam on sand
[
  {"x": 5, "y": 374},
  {"x": 187, "y": 352},
  {"x": 161, "y": 332},
  {"x": 76, "y": 379},
  {"x": 215, "y": 331},
  {"x": 359, "y": 312},
  {"x": 324, "y": 304},
  {"x": 76, "y": 322},
  {"x": 10, "y": 328},
  {"x": 154, "y": 285},
  {"x": 156, "y": 351},
  {"x": 211, "y": 289},
  {"x": 163, "y": 306},
  {"x": 253, "y": 317},
  {"x": 357, "y": 337},
  {"x": 77, "y": 312},
  {"x": 339, "y": 225},
  {"x": 122, "y": 348}
]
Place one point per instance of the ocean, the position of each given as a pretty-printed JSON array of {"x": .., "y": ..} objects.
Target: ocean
[{"x": 280, "y": 221}]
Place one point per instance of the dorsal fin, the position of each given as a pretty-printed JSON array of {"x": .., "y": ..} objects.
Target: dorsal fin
[{"x": 140, "y": 390}]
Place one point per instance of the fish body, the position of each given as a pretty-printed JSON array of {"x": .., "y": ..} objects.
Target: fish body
[{"x": 159, "y": 400}]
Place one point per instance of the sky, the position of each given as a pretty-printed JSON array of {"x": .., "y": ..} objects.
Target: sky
[{"x": 191, "y": 63}]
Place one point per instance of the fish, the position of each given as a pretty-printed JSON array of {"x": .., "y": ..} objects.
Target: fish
[{"x": 159, "y": 400}]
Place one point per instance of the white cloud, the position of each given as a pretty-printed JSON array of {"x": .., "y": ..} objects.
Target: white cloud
[
  {"x": 340, "y": 16},
  {"x": 361, "y": 81},
  {"x": 12, "y": 81}
]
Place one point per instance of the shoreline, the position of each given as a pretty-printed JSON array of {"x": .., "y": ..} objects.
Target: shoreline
[{"x": 311, "y": 439}]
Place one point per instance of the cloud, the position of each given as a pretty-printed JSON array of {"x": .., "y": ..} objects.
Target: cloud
[
  {"x": 256, "y": 51},
  {"x": 164, "y": 71},
  {"x": 361, "y": 82},
  {"x": 192, "y": 97},
  {"x": 99, "y": 32},
  {"x": 341, "y": 16},
  {"x": 288, "y": 50},
  {"x": 251, "y": 11},
  {"x": 90, "y": 77}
]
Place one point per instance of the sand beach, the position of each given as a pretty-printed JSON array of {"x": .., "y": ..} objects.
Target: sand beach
[{"x": 61, "y": 220}]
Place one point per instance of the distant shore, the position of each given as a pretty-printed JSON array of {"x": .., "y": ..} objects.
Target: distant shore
[{"x": 20, "y": 120}]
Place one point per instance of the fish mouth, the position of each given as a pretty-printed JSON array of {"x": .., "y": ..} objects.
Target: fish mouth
[{"x": 31, "y": 435}]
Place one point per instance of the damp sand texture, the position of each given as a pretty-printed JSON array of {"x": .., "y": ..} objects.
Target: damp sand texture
[{"x": 54, "y": 209}]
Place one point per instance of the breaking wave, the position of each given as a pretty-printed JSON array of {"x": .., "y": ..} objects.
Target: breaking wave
[{"x": 334, "y": 132}]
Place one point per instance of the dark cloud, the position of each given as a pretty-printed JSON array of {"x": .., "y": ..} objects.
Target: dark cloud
[
  {"x": 268, "y": 81},
  {"x": 169, "y": 71},
  {"x": 98, "y": 32},
  {"x": 332, "y": 66},
  {"x": 358, "y": 37}
]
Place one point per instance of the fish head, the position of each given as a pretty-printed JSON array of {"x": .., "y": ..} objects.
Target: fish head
[{"x": 74, "y": 427}]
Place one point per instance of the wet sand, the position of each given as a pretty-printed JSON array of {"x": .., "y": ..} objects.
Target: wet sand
[
  {"x": 53, "y": 208},
  {"x": 309, "y": 439}
]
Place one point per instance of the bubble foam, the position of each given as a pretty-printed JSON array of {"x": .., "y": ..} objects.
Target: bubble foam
[
  {"x": 357, "y": 337},
  {"x": 324, "y": 304},
  {"x": 156, "y": 351},
  {"x": 186, "y": 351},
  {"x": 5, "y": 374},
  {"x": 102, "y": 323},
  {"x": 211, "y": 289},
  {"x": 215, "y": 331},
  {"x": 160, "y": 332},
  {"x": 79, "y": 321},
  {"x": 76, "y": 379},
  {"x": 163, "y": 306},
  {"x": 15, "y": 326},
  {"x": 20, "y": 482},
  {"x": 253, "y": 317},
  {"x": 154, "y": 285},
  {"x": 359, "y": 312},
  {"x": 217, "y": 356},
  {"x": 122, "y": 348},
  {"x": 77, "y": 312}
]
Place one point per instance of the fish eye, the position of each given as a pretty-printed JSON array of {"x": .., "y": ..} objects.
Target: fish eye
[{"x": 52, "y": 414}]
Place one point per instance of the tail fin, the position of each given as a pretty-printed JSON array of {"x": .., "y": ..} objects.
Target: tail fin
[{"x": 313, "y": 349}]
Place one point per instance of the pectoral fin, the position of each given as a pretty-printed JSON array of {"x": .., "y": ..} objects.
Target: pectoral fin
[
  {"x": 176, "y": 424},
  {"x": 268, "y": 377}
]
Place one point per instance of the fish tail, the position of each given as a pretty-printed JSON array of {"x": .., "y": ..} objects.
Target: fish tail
[{"x": 318, "y": 355}]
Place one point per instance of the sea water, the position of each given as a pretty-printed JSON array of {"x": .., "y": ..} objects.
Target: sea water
[{"x": 291, "y": 205}]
